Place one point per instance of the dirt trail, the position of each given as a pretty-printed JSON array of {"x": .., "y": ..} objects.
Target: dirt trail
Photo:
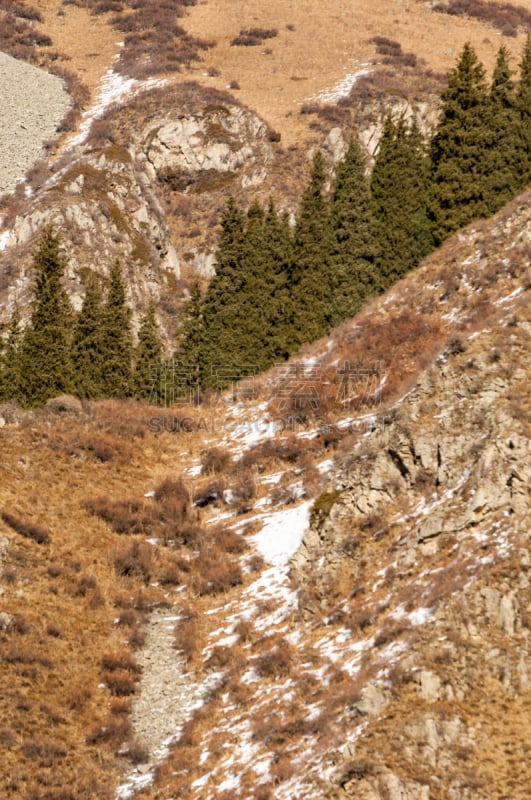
[{"x": 33, "y": 104}]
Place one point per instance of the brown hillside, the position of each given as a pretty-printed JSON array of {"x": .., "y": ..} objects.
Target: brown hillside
[{"x": 391, "y": 659}]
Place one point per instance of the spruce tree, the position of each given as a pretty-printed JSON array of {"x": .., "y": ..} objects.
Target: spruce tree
[
  {"x": 462, "y": 139},
  {"x": 88, "y": 356},
  {"x": 523, "y": 102},
  {"x": 504, "y": 157},
  {"x": 188, "y": 355},
  {"x": 45, "y": 356},
  {"x": 148, "y": 357},
  {"x": 311, "y": 284},
  {"x": 278, "y": 249},
  {"x": 221, "y": 307},
  {"x": 117, "y": 343},
  {"x": 10, "y": 360},
  {"x": 191, "y": 334},
  {"x": 399, "y": 194},
  {"x": 353, "y": 245}
]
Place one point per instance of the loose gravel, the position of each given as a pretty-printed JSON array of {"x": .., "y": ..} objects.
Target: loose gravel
[{"x": 33, "y": 105}]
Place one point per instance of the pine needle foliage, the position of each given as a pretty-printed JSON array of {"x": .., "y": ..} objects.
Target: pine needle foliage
[
  {"x": 88, "y": 356},
  {"x": 46, "y": 367},
  {"x": 148, "y": 356},
  {"x": 354, "y": 248},
  {"x": 458, "y": 164},
  {"x": 117, "y": 343}
]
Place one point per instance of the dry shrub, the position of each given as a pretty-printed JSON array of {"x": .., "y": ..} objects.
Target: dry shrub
[
  {"x": 123, "y": 516},
  {"x": 137, "y": 752},
  {"x": 135, "y": 560},
  {"x": 253, "y": 36},
  {"x": 78, "y": 698},
  {"x": 8, "y": 737},
  {"x": 215, "y": 460},
  {"x": 126, "y": 419},
  {"x": 504, "y": 16},
  {"x": 54, "y": 631},
  {"x": 216, "y": 576},
  {"x": 288, "y": 450},
  {"x": 101, "y": 447},
  {"x": 229, "y": 542},
  {"x": 212, "y": 492},
  {"x": 120, "y": 682},
  {"x": 277, "y": 662},
  {"x": 165, "y": 517},
  {"x": 44, "y": 751},
  {"x": 115, "y": 729},
  {"x": 186, "y": 634},
  {"x": 121, "y": 705},
  {"x": 219, "y": 658},
  {"x": 26, "y": 527},
  {"x": 245, "y": 630},
  {"x": 120, "y": 660}
]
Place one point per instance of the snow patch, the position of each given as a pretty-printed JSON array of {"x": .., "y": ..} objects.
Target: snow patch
[
  {"x": 113, "y": 88},
  {"x": 282, "y": 534},
  {"x": 342, "y": 88}
]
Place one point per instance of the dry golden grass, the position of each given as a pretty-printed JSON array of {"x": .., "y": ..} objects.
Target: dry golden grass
[{"x": 319, "y": 44}]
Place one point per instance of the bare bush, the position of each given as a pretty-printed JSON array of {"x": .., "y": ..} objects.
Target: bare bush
[
  {"x": 26, "y": 527},
  {"x": 253, "y": 36}
]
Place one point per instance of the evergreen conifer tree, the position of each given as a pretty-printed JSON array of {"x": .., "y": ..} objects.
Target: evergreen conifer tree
[
  {"x": 523, "y": 102},
  {"x": 221, "y": 307},
  {"x": 191, "y": 334},
  {"x": 45, "y": 357},
  {"x": 311, "y": 284},
  {"x": 505, "y": 153},
  {"x": 278, "y": 249},
  {"x": 117, "y": 343},
  {"x": 353, "y": 246},
  {"x": 462, "y": 139},
  {"x": 148, "y": 357},
  {"x": 87, "y": 344},
  {"x": 191, "y": 341},
  {"x": 399, "y": 192}
]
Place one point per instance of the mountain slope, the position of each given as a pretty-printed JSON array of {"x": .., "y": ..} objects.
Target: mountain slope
[{"x": 345, "y": 584}]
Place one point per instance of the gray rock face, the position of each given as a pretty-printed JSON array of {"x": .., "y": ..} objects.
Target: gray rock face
[
  {"x": 5, "y": 620},
  {"x": 218, "y": 141}
]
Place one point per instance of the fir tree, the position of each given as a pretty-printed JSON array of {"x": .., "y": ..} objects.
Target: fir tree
[
  {"x": 45, "y": 357},
  {"x": 191, "y": 334},
  {"x": 353, "y": 246},
  {"x": 148, "y": 357},
  {"x": 399, "y": 194},
  {"x": 504, "y": 156},
  {"x": 458, "y": 149},
  {"x": 10, "y": 360},
  {"x": 523, "y": 102},
  {"x": 311, "y": 288},
  {"x": 190, "y": 345},
  {"x": 116, "y": 339},
  {"x": 221, "y": 307},
  {"x": 88, "y": 356},
  {"x": 278, "y": 249}
]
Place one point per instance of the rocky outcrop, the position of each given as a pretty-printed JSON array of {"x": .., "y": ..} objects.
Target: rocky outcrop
[
  {"x": 200, "y": 150},
  {"x": 104, "y": 206},
  {"x": 437, "y": 495}
]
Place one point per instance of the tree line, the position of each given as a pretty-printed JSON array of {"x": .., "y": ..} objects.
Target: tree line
[
  {"x": 278, "y": 285},
  {"x": 90, "y": 354}
]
